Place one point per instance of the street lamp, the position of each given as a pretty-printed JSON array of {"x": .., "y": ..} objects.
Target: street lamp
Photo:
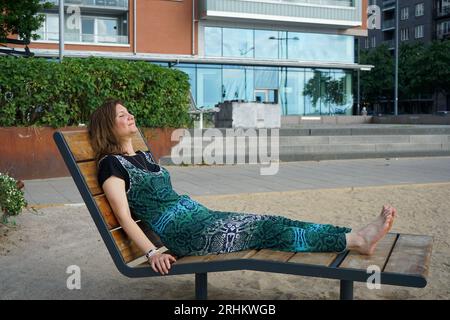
[
  {"x": 397, "y": 45},
  {"x": 61, "y": 30}
]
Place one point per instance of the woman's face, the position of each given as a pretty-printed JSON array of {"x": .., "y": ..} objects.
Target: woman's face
[{"x": 124, "y": 126}]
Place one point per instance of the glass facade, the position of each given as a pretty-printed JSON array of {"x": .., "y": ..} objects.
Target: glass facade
[
  {"x": 299, "y": 91},
  {"x": 279, "y": 45}
]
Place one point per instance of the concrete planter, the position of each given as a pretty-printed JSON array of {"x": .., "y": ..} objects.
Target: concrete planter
[
  {"x": 30, "y": 152},
  {"x": 248, "y": 115}
]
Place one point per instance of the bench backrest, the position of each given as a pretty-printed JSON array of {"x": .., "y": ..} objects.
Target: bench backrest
[{"x": 77, "y": 152}]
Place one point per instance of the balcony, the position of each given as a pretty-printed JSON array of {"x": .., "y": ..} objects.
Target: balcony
[
  {"x": 388, "y": 25},
  {"x": 390, "y": 44},
  {"x": 443, "y": 34},
  {"x": 443, "y": 12},
  {"x": 337, "y": 13},
  {"x": 76, "y": 37},
  {"x": 388, "y": 5},
  {"x": 121, "y": 5}
]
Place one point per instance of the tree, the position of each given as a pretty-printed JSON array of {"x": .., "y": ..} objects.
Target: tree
[
  {"x": 434, "y": 68},
  {"x": 377, "y": 84},
  {"x": 423, "y": 69},
  {"x": 324, "y": 87},
  {"x": 20, "y": 17}
]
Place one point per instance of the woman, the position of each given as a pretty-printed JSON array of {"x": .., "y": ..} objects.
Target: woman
[{"x": 133, "y": 182}]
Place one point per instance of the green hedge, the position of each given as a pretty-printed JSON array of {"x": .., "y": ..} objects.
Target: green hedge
[{"x": 40, "y": 92}]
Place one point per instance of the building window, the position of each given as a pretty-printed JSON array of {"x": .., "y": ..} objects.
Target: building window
[
  {"x": 419, "y": 9},
  {"x": 374, "y": 42},
  {"x": 238, "y": 43},
  {"x": 418, "y": 32},
  {"x": 404, "y": 13},
  {"x": 87, "y": 29},
  {"x": 213, "y": 39},
  {"x": 404, "y": 34},
  {"x": 443, "y": 29},
  {"x": 277, "y": 45},
  {"x": 366, "y": 43},
  {"x": 443, "y": 7},
  {"x": 49, "y": 30},
  {"x": 300, "y": 91}
]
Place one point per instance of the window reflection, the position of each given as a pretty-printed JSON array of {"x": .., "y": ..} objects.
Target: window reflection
[
  {"x": 238, "y": 43},
  {"x": 233, "y": 84},
  {"x": 273, "y": 44},
  {"x": 265, "y": 49},
  {"x": 299, "y": 91},
  {"x": 213, "y": 39},
  {"x": 209, "y": 86},
  {"x": 321, "y": 47}
]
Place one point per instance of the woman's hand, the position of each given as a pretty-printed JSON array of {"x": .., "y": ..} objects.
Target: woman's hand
[{"x": 161, "y": 262}]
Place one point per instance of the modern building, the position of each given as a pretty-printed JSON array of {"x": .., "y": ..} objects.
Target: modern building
[
  {"x": 442, "y": 19},
  {"x": 298, "y": 53},
  {"x": 419, "y": 21}
]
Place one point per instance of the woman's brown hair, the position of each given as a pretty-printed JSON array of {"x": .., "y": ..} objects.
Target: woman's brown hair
[{"x": 101, "y": 130}]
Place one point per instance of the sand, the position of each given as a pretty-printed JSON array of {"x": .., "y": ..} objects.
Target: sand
[{"x": 35, "y": 254}]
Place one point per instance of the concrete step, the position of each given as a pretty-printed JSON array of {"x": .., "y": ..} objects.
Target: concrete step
[
  {"x": 330, "y": 130},
  {"x": 229, "y": 145}
]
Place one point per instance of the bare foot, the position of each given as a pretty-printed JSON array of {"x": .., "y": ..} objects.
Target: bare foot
[{"x": 375, "y": 231}]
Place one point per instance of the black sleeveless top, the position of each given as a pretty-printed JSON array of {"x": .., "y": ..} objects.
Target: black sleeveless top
[{"x": 110, "y": 166}]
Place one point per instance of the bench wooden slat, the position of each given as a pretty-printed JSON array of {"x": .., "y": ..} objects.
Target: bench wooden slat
[
  {"x": 273, "y": 255},
  {"x": 323, "y": 259},
  {"x": 245, "y": 254},
  {"x": 106, "y": 211},
  {"x": 411, "y": 255},
  {"x": 127, "y": 248},
  {"x": 81, "y": 148},
  {"x": 355, "y": 260},
  {"x": 89, "y": 172},
  {"x": 79, "y": 144},
  {"x": 195, "y": 259}
]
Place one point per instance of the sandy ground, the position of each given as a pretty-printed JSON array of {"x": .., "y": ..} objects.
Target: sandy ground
[{"x": 35, "y": 254}]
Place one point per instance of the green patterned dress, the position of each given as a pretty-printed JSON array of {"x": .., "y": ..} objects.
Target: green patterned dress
[{"x": 186, "y": 227}]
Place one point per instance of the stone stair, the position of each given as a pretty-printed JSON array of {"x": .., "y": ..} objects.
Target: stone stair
[{"x": 326, "y": 142}]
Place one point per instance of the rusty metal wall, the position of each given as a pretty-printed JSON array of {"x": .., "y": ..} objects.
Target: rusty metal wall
[{"x": 30, "y": 152}]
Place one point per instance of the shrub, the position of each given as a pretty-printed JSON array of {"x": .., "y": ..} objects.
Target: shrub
[
  {"x": 12, "y": 199},
  {"x": 41, "y": 92}
]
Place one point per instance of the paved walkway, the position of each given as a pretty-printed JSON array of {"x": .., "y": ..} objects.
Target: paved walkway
[{"x": 215, "y": 180}]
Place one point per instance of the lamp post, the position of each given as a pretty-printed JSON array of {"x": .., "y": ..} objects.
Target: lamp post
[
  {"x": 286, "y": 71},
  {"x": 61, "y": 30},
  {"x": 397, "y": 45}
]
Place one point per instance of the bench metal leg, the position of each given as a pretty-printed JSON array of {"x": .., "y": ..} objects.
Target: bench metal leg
[
  {"x": 201, "y": 286},
  {"x": 346, "y": 290}
]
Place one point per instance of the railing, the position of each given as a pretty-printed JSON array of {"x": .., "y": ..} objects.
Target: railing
[
  {"x": 387, "y": 24},
  {"x": 339, "y": 3},
  {"x": 94, "y": 3},
  {"x": 443, "y": 34},
  {"x": 443, "y": 11},
  {"x": 344, "y": 13},
  {"x": 388, "y": 3},
  {"x": 84, "y": 38},
  {"x": 390, "y": 43}
]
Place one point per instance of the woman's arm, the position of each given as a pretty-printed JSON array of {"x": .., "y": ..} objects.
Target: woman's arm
[{"x": 114, "y": 189}]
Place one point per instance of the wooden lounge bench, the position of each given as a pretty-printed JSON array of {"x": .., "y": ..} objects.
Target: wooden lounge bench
[{"x": 403, "y": 259}]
